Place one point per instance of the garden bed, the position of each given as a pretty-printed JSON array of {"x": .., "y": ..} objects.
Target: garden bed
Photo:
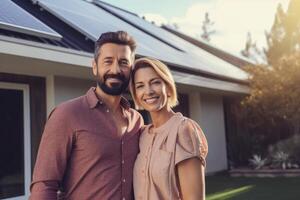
[{"x": 264, "y": 173}]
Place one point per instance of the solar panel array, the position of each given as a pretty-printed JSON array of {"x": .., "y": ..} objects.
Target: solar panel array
[
  {"x": 14, "y": 18},
  {"x": 92, "y": 20},
  {"x": 207, "y": 59}
]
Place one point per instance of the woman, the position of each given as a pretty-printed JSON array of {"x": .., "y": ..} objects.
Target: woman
[{"x": 173, "y": 148}]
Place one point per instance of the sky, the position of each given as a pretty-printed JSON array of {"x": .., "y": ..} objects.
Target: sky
[{"x": 233, "y": 19}]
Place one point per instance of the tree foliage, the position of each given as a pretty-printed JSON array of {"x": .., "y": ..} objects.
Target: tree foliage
[
  {"x": 283, "y": 38},
  {"x": 251, "y": 50},
  {"x": 271, "y": 112},
  {"x": 275, "y": 91},
  {"x": 207, "y": 28},
  {"x": 275, "y": 87}
]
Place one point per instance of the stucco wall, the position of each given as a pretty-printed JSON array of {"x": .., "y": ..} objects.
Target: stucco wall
[
  {"x": 207, "y": 110},
  {"x": 68, "y": 88}
]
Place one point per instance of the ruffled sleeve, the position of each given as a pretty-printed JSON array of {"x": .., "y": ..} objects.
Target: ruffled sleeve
[{"x": 191, "y": 142}]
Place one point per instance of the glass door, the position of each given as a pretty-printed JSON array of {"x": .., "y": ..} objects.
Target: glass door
[{"x": 15, "y": 159}]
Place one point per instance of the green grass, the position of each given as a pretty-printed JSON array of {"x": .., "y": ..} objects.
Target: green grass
[{"x": 224, "y": 187}]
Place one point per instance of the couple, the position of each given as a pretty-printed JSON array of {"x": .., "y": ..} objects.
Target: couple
[{"x": 96, "y": 147}]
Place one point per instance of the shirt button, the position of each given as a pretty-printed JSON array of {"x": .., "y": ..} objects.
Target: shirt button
[
  {"x": 124, "y": 180},
  {"x": 122, "y": 142},
  {"x": 101, "y": 102},
  {"x": 123, "y": 198},
  {"x": 123, "y": 161},
  {"x": 107, "y": 110}
]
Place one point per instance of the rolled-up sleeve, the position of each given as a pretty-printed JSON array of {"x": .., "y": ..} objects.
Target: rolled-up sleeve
[
  {"x": 191, "y": 142},
  {"x": 54, "y": 150},
  {"x": 46, "y": 190}
]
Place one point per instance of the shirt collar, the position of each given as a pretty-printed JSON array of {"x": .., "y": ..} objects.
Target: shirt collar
[{"x": 93, "y": 100}]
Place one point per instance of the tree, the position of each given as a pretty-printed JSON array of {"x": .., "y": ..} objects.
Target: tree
[
  {"x": 275, "y": 91},
  {"x": 271, "y": 112},
  {"x": 251, "y": 51},
  {"x": 284, "y": 36},
  {"x": 207, "y": 29}
]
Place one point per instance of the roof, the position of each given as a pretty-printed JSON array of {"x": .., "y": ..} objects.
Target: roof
[
  {"x": 81, "y": 22},
  {"x": 71, "y": 39},
  {"x": 224, "y": 55}
]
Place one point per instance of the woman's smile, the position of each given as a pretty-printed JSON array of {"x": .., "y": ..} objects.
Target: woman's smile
[{"x": 151, "y": 100}]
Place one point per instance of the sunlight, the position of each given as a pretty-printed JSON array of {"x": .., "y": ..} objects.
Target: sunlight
[
  {"x": 229, "y": 193},
  {"x": 233, "y": 19}
]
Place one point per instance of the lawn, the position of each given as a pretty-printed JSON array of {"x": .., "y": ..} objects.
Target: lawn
[{"x": 224, "y": 187}]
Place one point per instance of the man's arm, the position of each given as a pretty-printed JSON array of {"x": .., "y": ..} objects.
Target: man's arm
[
  {"x": 54, "y": 150},
  {"x": 44, "y": 190}
]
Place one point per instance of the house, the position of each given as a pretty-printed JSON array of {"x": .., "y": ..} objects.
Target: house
[{"x": 46, "y": 49}]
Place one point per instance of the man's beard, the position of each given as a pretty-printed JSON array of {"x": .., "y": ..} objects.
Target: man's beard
[{"x": 115, "y": 89}]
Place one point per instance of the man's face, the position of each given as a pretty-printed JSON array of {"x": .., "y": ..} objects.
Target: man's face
[{"x": 113, "y": 68}]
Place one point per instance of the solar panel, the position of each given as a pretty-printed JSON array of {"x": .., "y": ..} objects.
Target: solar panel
[
  {"x": 141, "y": 23},
  {"x": 207, "y": 59},
  {"x": 91, "y": 20},
  {"x": 155, "y": 30},
  {"x": 14, "y": 18}
]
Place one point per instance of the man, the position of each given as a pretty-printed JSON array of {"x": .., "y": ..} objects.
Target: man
[{"x": 90, "y": 143}]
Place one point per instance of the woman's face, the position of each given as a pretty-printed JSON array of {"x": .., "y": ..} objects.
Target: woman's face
[{"x": 151, "y": 91}]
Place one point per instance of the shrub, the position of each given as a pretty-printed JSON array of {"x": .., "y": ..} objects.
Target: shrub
[
  {"x": 290, "y": 146},
  {"x": 257, "y": 161}
]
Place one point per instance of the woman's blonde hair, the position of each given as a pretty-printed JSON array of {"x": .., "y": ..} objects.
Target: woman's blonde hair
[{"x": 163, "y": 72}]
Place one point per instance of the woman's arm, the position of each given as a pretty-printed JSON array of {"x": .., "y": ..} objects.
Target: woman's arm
[{"x": 191, "y": 179}]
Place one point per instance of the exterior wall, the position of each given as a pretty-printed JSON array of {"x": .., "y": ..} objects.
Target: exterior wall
[
  {"x": 42, "y": 68},
  {"x": 207, "y": 110},
  {"x": 18, "y": 65},
  {"x": 68, "y": 88}
]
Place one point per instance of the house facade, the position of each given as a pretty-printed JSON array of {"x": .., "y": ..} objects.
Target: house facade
[{"x": 46, "y": 50}]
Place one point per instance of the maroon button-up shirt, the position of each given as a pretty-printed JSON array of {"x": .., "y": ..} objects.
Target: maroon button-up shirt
[{"x": 81, "y": 152}]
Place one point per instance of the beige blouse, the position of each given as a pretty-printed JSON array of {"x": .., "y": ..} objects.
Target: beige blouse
[{"x": 154, "y": 176}]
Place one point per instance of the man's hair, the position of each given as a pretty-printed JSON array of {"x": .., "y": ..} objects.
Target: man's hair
[{"x": 119, "y": 37}]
